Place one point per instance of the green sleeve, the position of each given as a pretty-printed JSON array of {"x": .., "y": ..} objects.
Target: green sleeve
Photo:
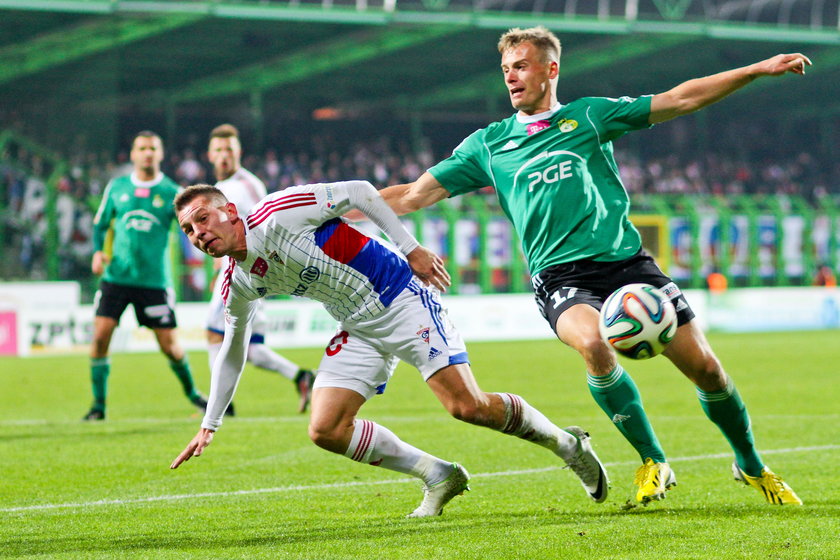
[
  {"x": 465, "y": 169},
  {"x": 614, "y": 117}
]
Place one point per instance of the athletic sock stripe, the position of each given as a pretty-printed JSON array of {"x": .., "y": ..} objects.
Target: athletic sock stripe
[
  {"x": 515, "y": 415},
  {"x": 605, "y": 381},
  {"x": 364, "y": 440},
  {"x": 716, "y": 396}
]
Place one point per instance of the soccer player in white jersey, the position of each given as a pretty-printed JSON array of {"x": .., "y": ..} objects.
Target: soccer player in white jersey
[
  {"x": 245, "y": 190},
  {"x": 295, "y": 242}
]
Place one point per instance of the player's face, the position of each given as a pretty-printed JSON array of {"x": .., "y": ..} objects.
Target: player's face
[
  {"x": 528, "y": 79},
  {"x": 209, "y": 228},
  {"x": 225, "y": 155},
  {"x": 146, "y": 155}
]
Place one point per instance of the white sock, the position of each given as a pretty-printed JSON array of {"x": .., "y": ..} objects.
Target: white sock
[
  {"x": 524, "y": 421},
  {"x": 212, "y": 352},
  {"x": 378, "y": 446},
  {"x": 262, "y": 356}
]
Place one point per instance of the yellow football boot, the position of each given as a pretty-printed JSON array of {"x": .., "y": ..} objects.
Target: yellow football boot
[
  {"x": 772, "y": 487},
  {"x": 653, "y": 480}
]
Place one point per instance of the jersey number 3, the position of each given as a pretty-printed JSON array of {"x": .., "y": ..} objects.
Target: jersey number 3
[{"x": 334, "y": 347}]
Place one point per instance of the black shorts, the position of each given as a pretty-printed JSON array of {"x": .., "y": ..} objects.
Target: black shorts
[
  {"x": 153, "y": 307},
  {"x": 559, "y": 287}
]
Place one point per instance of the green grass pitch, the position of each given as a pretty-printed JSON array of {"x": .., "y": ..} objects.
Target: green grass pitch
[{"x": 262, "y": 490}]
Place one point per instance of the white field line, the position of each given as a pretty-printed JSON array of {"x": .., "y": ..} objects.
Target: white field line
[
  {"x": 341, "y": 485},
  {"x": 196, "y": 420}
]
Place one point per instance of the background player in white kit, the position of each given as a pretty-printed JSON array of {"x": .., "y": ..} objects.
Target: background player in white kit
[
  {"x": 295, "y": 241},
  {"x": 245, "y": 190}
]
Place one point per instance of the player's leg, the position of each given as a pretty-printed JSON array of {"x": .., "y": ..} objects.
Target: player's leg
[
  {"x": 100, "y": 365},
  {"x": 720, "y": 400},
  {"x": 572, "y": 311},
  {"x": 155, "y": 309},
  {"x": 214, "y": 345},
  {"x": 168, "y": 342},
  {"x": 456, "y": 388},
  {"x": 110, "y": 301},
  {"x": 351, "y": 372},
  {"x": 611, "y": 387}
]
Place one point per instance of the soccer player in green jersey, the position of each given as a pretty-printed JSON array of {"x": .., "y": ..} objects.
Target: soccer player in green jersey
[
  {"x": 557, "y": 181},
  {"x": 137, "y": 208}
]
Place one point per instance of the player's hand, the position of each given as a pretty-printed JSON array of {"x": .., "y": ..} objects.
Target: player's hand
[
  {"x": 783, "y": 63},
  {"x": 195, "y": 447},
  {"x": 429, "y": 268},
  {"x": 98, "y": 262}
]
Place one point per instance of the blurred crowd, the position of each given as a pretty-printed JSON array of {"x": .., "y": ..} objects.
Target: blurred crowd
[{"x": 383, "y": 161}]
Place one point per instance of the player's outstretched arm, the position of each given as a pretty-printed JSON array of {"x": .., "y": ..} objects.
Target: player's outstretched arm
[
  {"x": 195, "y": 447},
  {"x": 404, "y": 199},
  {"x": 695, "y": 94},
  {"x": 429, "y": 268}
]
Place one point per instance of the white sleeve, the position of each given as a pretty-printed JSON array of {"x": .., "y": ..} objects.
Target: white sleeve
[
  {"x": 363, "y": 196},
  {"x": 227, "y": 369}
]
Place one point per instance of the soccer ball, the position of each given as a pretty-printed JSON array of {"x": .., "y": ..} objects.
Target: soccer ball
[{"x": 638, "y": 321}]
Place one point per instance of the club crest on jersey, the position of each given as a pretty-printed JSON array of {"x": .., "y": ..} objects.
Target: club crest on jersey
[
  {"x": 262, "y": 291},
  {"x": 424, "y": 334},
  {"x": 260, "y": 267},
  {"x": 157, "y": 202},
  {"x": 275, "y": 257},
  {"x": 533, "y": 128},
  {"x": 567, "y": 125}
]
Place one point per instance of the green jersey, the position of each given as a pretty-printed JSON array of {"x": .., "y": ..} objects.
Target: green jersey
[
  {"x": 141, "y": 214},
  {"x": 556, "y": 178}
]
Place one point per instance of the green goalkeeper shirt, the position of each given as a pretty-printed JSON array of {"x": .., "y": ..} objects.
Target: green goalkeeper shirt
[
  {"x": 556, "y": 178},
  {"x": 141, "y": 216}
]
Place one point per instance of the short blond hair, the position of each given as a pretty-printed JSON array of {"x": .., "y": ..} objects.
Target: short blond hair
[{"x": 546, "y": 41}]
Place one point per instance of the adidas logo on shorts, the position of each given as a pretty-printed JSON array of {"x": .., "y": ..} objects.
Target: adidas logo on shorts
[{"x": 434, "y": 353}]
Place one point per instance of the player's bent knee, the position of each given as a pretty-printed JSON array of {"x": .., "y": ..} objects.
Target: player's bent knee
[{"x": 325, "y": 438}]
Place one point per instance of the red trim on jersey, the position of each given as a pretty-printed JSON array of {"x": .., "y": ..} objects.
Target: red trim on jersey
[
  {"x": 227, "y": 280},
  {"x": 345, "y": 243},
  {"x": 259, "y": 215}
]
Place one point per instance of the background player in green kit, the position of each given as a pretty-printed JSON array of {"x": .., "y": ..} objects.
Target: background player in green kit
[
  {"x": 553, "y": 169},
  {"x": 138, "y": 209}
]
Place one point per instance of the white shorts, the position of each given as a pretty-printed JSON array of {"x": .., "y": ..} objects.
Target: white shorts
[
  {"x": 415, "y": 328},
  {"x": 216, "y": 313}
]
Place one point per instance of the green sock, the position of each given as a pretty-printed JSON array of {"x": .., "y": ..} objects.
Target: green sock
[
  {"x": 182, "y": 371},
  {"x": 100, "y": 368},
  {"x": 617, "y": 395},
  {"x": 726, "y": 409}
]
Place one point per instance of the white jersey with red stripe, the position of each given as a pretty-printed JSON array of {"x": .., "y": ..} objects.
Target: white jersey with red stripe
[
  {"x": 298, "y": 244},
  {"x": 245, "y": 190}
]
